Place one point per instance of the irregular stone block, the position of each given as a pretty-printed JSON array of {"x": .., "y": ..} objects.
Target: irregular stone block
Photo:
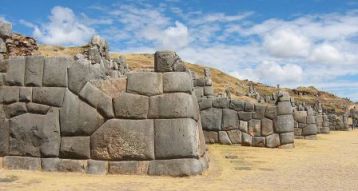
[
  {"x": 235, "y": 136},
  {"x": 211, "y": 136},
  {"x": 177, "y": 82},
  {"x": 205, "y": 103},
  {"x": 15, "y": 109},
  {"x": 249, "y": 107},
  {"x": 284, "y": 108},
  {"x": 310, "y": 129},
  {"x": 284, "y": 123},
  {"x": 287, "y": 138},
  {"x": 244, "y": 126},
  {"x": 175, "y": 167},
  {"x": 34, "y": 70},
  {"x": 300, "y": 116},
  {"x": 199, "y": 92},
  {"x": 145, "y": 83},
  {"x": 51, "y": 96},
  {"x": 255, "y": 127},
  {"x": 211, "y": 119},
  {"x": 119, "y": 139},
  {"x": 221, "y": 102},
  {"x": 325, "y": 130},
  {"x": 168, "y": 61},
  {"x": 237, "y": 105},
  {"x": 258, "y": 141},
  {"x": 2, "y": 79},
  {"x": 208, "y": 90},
  {"x": 176, "y": 138},
  {"x": 15, "y": 75},
  {"x": 131, "y": 106},
  {"x": 173, "y": 105},
  {"x": 37, "y": 108},
  {"x": 78, "y": 118},
  {"x": 55, "y": 71},
  {"x": 246, "y": 139},
  {"x": 4, "y": 137},
  {"x": 49, "y": 164},
  {"x": 4, "y": 64},
  {"x": 298, "y": 131},
  {"x": 259, "y": 111},
  {"x": 97, "y": 167},
  {"x": 266, "y": 127},
  {"x": 5, "y": 29},
  {"x": 68, "y": 165},
  {"x": 22, "y": 163},
  {"x": 245, "y": 116},
  {"x": 97, "y": 99},
  {"x": 224, "y": 138},
  {"x": 311, "y": 119},
  {"x": 200, "y": 82},
  {"x": 230, "y": 119},
  {"x": 271, "y": 112},
  {"x": 25, "y": 94},
  {"x": 3, "y": 48},
  {"x": 128, "y": 167},
  {"x": 75, "y": 147},
  {"x": 9, "y": 94},
  {"x": 273, "y": 141}
]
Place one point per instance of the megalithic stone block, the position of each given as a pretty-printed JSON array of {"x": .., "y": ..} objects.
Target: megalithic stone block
[
  {"x": 16, "y": 72},
  {"x": 34, "y": 70},
  {"x": 168, "y": 61},
  {"x": 55, "y": 71}
]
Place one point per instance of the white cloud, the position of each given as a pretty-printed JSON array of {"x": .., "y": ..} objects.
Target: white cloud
[
  {"x": 326, "y": 54},
  {"x": 175, "y": 37}
]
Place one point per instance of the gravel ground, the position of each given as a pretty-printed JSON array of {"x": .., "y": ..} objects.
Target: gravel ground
[{"x": 329, "y": 163}]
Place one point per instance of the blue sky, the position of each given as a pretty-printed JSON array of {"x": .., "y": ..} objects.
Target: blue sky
[{"x": 291, "y": 42}]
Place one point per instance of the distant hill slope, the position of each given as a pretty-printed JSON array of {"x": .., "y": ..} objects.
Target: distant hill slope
[{"x": 221, "y": 80}]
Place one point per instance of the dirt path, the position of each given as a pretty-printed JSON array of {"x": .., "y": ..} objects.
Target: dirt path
[{"x": 330, "y": 163}]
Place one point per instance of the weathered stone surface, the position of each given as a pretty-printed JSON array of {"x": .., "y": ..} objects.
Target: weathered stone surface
[
  {"x": 205, "y": 103},
  {"x": 287, "y": 138},
  {"x": 211, "y": 136},
  {"x": 255, "y": 127},
  {"x": 49, "y": 164},
  {"x": 249, "y": 107},
  {"x": 244, "y": 126},
  {"x": 235, "y": 136},
  {"x": 311, "y": 119},
  {"x": 176, "y": 138},
  {"x": 111, "y": 87},
  {"x": 177, "y": 82},
  {"x": 5, "y": 29},
  {"x": 258, "y": 141},
  {"x": 259, "y": 111},
  {"x": 68, "y": 165},
  {"x": 55, "y": 71},
  {"x": 37, "y": 108},
  {"x": 175, "y": 167},
  {"x": 271, "y": 112},
  {"x": 34, "y": 70},
  {"x": 168, "y": 61},
  {"x": 25, "y": 94},
  {"x": 131, "y": 106},
  {"x": 35, "y": 135},
  {"x": 97, "y": 99},
  {"x": 246, "y": 139},
  {"x": 145, "y": 83},
  {"x": 284, "y": 108},
  {"x": 128, "y": 167},
  {"x": 15, "y": 109},
  {"x": 75, "y": 147},
  {"x": 200, "y": 82},
  {"x": 237, "y": 105},
  {"x": 119, "y": 139},
  {"x": 310, "y": 129},
  {"x": 9, "y": 94},
  {"x": 173, "y": 105},
  {"x": 230, "y": 119},
  {"x": 284, "y": 123},
  {"x": 199, "y": 92},
  {"x": 245, "y": 116},
  {"x": 273, "y": 141},
  {"x": 2, "y": 79},
  {"x": 51, "y": 96},
  {"x": 298, "y": 131},
  {"x": 221, "y": 102},
  {"x": 208, "y": 91},
  {"x": 300, "y": 116},
  {"x": 266, "y": 127},
  {"x": 325, "y": 130},
  {"x": 4, "y": 137},
  {"x": 16, "y": 71},
  {"x": 4, "y": 64},
  {"x": 22, "y": 163},
  {"x": 97, "y": 167},
  {"x": 211, "y": 119},
  {"x": 78, "y": 118},
  {"x": 224, "y": 138}
]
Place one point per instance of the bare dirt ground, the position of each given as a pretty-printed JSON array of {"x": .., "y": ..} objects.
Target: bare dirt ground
[{"x": 329, "y": 163}]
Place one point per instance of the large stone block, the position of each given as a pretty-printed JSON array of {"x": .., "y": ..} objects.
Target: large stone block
[
  {"x": 145, "y": 83},
  {"x": 68, "y": 165},
  {"x": 55, "y": 71},
  {"x": 221, "y": 102},
  {"x": 310, "y": 129},
  {"x": 205, "y": 103},
  {"x": 258, "y": 141},
  {"x": 173, "y": 105},
  {"x": 298, "y": 131},
  {"x": 284, "y": 108},
  {"x": 266, "y": 127},
  {"x": 168, "y": 61},
  {"x": 287, "y": 138},
  {"x": 300, "y": 116},
  {"x": 284, "y": 123},
  {"x": 75, "y": 147},
  {"x": 131, "y": 106},
  {"x": 16, "y": 71},
  {"x": 245, "y": 116},
  {"x": 249, "y": 107},
  {"x": 49, "y": 164},
  {"x": 3, "y": 48},
  {"x": 235, "y": 136},
  {"x": 230, "y": 119},
  {"x": 37, "y": 108},
  {"x": 211, "y": 136},
  {"x": 177, "y": 82},
  {"x": 9, "y": 94},
  {"x": 15, "y": 109},
  {"x": 128, "y": 167},
  {"x": 244, "y": 126},
  {"x": 273, "y": 141},
  {"x": 311, "y": 119},
  {"x": 255, "y": 127},
  {"x": 199, "y": 92},
  {"x": 77, "y": 117},
  {"x": 176, "y": 138},
  {"x": 208, "y": 91},
  {"x": 25, "y": 94},
  {"x": 246, "y": 139},
  {"x": 224, "y": 138},
  {"x": 237, "y": 105},
  {"x": 97, "y": 99},
  {"x": 22, "y": 163},
  {"x": 5, "y": 29},
  {"x": 271, "y": 112},
  {"x": 175, "y": 167},
  {"x": 259, "y": 111},
  {"x": 97, "y": 167},
  {"x": 119, "y": 139},
  {"x": 4, "y": 137},
  {"x": 34, "y": 70},
  {"x": 52, "y": 96},
  {"x": 211, "y": 119}
]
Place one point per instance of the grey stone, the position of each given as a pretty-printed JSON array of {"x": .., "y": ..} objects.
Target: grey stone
[
  {"x": 177, "y": 82},
  {"x": 224, "y": 138},
  {"x": 271, "y": 112},
  {"x": 3, "y": 48},
  {"x": 97, "y": 167},
  {"x": 15, "y": 109},
  {"x": 5, "y": 29},
  {"x": 175, "y": 167},
  {"x": 273, "y": 141},
  {"x": 168, "y": 61},
  {"x": 9, "y": 94},
  {"x": 199, "y": 92},
  {"x": 221, "y": 102},
  {"x": 55, "y": 71},
  {"x": 4, "y": 137},
  {"x": 245, "y": 116},
  {"x": 211, "y": 136},
  {"x": 255, "y": 127},
  {"x": 97, "y": 99},
  {"x": 211, "y": 119},
  {"x": 244, "y": 125},
  {"x": 4, "y": 64},
  {"x": 173, "y": 105},
  {"x": 78, "y": 118},
  {"x": 205, "y": 103},
  {"x": 16, "y": 71},
  {"x": 128, "y": 167},
  {"x": 246, "y": 139},
  {"x": 49, "y": 164},
  {"x": 94, "y": 55},
  {"x": 266, "y": 127},
  {"x": 249, "y": 107},
  {"x": 145, "y": 83},
  {"x": 287, "y": 138},
  {"x": 22, "y": 163},
  {"x": 258, "y": 141},
  {"x": 25, "y": 94},
  {"x": 230, "y": 119},
  {"x": 259, "y": 111},
  {"x": 37, "y": 108},
  {"x": 310, "y": 129},
  {"x": 130, "y": 105},
  {"x": 235, "y": 136},
  {"x": 298, "y": 131},
  {"x": 52, "y": 96},
  {"x": 302, "y": 125},
  {"x": 284, "y": 123},
  {"x": 311, "y": 119},
  {"x": 208, "y": 91},
  {"x": 75, "y": 147},
  {"x": 200, "y": 82},
  {"x": 237, "y": 105},
  {"x": 68, "y": 165},
  {"x": 34, "y": 70},
  {"x": 325, "y": 130},
  {"x": 300, "y": 116},
  {"x": 119, "y": 139},
  {"x": 176, "y": 138},
  {"x": 2, "y": 79},
  {"x": 284, "y": 108}
]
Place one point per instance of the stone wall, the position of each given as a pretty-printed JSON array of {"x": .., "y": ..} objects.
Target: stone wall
[
  {"x": 54, "y": 117},
  {"x": 338, "y": 123},
  {"x": 305, "y": 124}
]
